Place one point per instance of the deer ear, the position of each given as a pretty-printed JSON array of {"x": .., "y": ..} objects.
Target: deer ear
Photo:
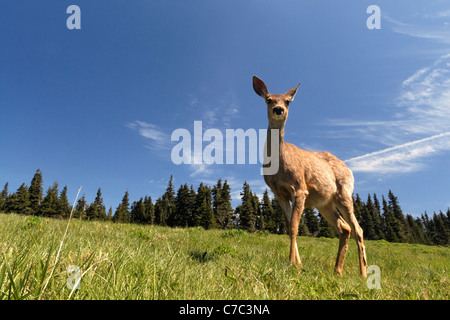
[
  {"x": 260, "y": 87},
  {"x": 291, "y": 92}
]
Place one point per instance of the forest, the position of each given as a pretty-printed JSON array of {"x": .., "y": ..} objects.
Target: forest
[{"x": 210, "y": 207}]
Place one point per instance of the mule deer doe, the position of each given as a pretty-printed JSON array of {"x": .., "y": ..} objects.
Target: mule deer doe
[{"x": 309, "y": 179}]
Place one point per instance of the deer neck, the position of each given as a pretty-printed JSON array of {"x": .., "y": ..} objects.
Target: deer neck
[{"x": 279, "y": 135}]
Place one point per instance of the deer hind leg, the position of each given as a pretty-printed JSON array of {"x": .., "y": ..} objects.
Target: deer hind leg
[
  {"x": 345, "y": 206},
  {"x": 332, "y": 216}
]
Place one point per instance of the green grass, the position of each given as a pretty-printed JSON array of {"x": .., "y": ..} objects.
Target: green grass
[{"x": 124, "y": 261}]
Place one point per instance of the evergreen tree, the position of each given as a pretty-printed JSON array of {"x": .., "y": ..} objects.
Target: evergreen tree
[
  {"x": 303, "y": 228},
  {"x": 247, "y": 216},
  {"x": 279, "y": 218},
  {"x": 149, "y": 210},
  {"x": 358, "y": 207},
  {"x": 375, "y": 212},
  {"x": 428, "y": 226},
  {"x": 122, "y": 214},
  {"x": 417, "y": 234},
  {"x": 311, "y": 221},
  {"x": 97, "y": 210},
  {"x": 400, "y": 225},
  {"x": 138, "y": 212},
  {"x": 448, "y": 218},
  {"x": 159, "y": 212},
  {"x": 183, "y": 210},
  {"x": 36, "y": 192},
  {"x": 325, "y": 229},
  {"x": 422, "y": 235},
  {"x": 50, "y": 204},
  {"x": 19, "y": 202},
  {"x": 110, "y": 214},
  {"x": 64, "y": 207},
  {"x": 366, "y": 220},
  {"x": 376, "y": 203},
  {"x": 442, "y": 234},
  {"x": 203, "y": 214},
  {"x": 391, "y": 225},
  {"x": 207, "y": 216},
  {"x": 259, "y": 218},
  {"x": 268, "y": 213},
  {"x": 222, "y": 204},
  {"x": 4, "y": 197},
  {"x": 80, "y": 209},
  {"x": 166, "y": 206}
]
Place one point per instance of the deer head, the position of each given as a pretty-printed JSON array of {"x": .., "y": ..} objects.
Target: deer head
[{"x": 277, "y": 104}]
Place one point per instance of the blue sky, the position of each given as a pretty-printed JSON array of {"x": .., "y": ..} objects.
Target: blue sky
[{"x": 96, "y": 107}]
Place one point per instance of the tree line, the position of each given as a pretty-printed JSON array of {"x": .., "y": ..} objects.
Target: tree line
[{"x": 210, "y": 207}]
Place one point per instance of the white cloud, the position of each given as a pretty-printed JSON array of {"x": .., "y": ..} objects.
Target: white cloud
[
  {"x": 426, "y": 26},
  {"x": 423, "y": 117},
  {"x": 157, "y": 138}
]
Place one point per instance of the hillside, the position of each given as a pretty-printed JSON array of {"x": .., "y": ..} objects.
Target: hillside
[{"x": 130, "y": 261}]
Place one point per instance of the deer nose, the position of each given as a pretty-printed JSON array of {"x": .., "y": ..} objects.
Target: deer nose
[{"x": 278, "y": 111}]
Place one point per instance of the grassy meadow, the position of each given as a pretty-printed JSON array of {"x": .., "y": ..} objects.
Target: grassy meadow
[{"x": 127, "y": 261}]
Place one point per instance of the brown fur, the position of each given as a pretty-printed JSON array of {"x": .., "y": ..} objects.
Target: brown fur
[{"x": 310, "y": 179}]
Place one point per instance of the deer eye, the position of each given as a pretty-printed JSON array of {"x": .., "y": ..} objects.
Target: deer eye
[
  {"x": 269, "y": 101},
  {"x": 287, "y": 102}
]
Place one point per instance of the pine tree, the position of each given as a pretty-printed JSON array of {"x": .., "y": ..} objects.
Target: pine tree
[
  {"x": 166, "y": 206},
  {"x": 325, "y": 229},
  {"x": 268, "y": 213},
  {"x": 358, "y": 207},
  {"x": 311, "y": 221},
  {"x": 259, "y": 219},
  {"x": 400, "y": 225},
  {"x": 222, "y": 204},
  {"x": 422, "y": 232},
  {"x": 138, "y": 212},
  {"x": 64, "y": 207},
  {"x": 122, "y": 214},
  {"x": 390, "y": 223},
  {"x": 303, "y": 228},
  {"x": 203, "y": 214},
  {"x": 36, "y": 192},
  {"x": 19, "y": 202},
  {"x": 442, "y": 234},
  {"x": 50, "y": 203},
  {"x": 376, "y": 217},
  {"x": 247, "y": 216},
  {"x": 181, "y": 215},
  {"x": 97, "y": 210},
  {"x": 366, "y": 219},
  {"x": 207, "y": 216},
  {"x": 80, "y": 209},
  {"x": 428, "y": 226},
  {"x": 149, "y": 210},
  {"x": 279, "y": 218},
  {"x": 4, "y": 197},
  {"x": 417, "y": 234},
  {"x": 110, "y": 214},
  {"x": 159, "y": 212},
  {"x": 376, "y": 203}
]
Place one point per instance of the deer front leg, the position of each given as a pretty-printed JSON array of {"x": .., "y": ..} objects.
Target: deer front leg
[
  {"x": 297, "y": 211},
  {"x": 287, "y": 210}
]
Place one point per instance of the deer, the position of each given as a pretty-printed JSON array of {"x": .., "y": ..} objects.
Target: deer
[{"x": 307, "y": 179}]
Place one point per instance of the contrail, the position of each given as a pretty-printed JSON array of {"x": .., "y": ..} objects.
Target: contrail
[{"x": 405, "y": 145}]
